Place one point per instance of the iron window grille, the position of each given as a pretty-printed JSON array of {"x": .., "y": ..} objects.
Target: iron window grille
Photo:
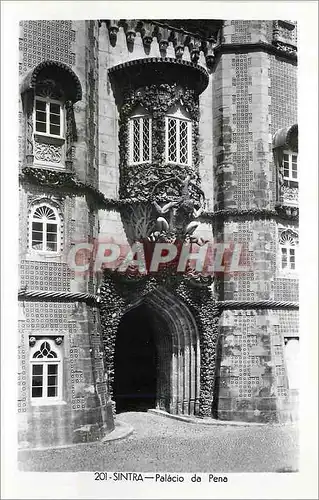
[{"x": 178, "y": 139}]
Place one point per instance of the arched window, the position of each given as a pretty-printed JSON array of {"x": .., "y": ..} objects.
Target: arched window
[
  {"x": 178, "y": 137},
  {"x": 49, "y": 123},
  {"x": 140, "y": 133},
  {"x": 46, "y": 370},
  {"x": 49, "y": 92},
  {"x": 288, "y": 250},
  {"x": 285, "y": 150},
  {"x": 44, "y": 229}
]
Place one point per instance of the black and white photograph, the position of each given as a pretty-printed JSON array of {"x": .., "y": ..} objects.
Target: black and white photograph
[{"x": 159, "y": 175}]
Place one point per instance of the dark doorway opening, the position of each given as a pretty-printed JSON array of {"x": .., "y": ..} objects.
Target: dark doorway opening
[{"x": 135, "y": 363}]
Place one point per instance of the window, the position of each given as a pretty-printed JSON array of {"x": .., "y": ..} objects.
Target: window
[
  {"x": 140, "y": 139},
  {"x": 45, "y": 229},
  {"x": 290, "y": 169},
  {"x": 288, "y": 250},
  {"x": 178, "y": 138},
  {"x": 48, "y": 117},
  {"x": 46, "y": 372}
]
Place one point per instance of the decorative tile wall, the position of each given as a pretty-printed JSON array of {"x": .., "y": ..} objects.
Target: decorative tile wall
[
  {"x": 22, "y": 374},
  {"x": 283, "y": 92},
  {"x": 241, "y": 124},
  {"x": 42, "y": 40},
  {"x": 242, "y": 31},
  {"x": 53, "y": 315},
  {"x": 252, "y": 364},
  {"x": 45, "y": 275}
]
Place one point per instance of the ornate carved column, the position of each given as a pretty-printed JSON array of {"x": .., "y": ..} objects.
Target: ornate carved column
[
  {"x": 28, "y": 106},
  {"x": 69, "y": 135}
]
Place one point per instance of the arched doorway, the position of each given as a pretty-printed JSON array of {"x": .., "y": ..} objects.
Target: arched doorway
[
  {"x": 134, "y": 387},
  {"x": 157, "y": 356}
]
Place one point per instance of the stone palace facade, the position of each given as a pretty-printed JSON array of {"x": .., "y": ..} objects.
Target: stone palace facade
[{"x": 156, "y": 131}]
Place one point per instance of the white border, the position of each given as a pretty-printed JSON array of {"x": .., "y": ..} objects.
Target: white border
[{"x": 81, "y": 485}]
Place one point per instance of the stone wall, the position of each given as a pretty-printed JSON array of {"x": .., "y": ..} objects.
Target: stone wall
[
  {"x": 252, "y": 378},
  {"x": 83, "y": 412},
  {"x": 254, "y": 95},
  {"x": 251, "y": 93}
]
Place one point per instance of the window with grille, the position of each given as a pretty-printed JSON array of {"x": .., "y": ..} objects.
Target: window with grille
[
  {"x": 140, "y": 139},
  {"x": 290, "y": 169},
  {"x": 288, "y": 250},
  {"x": 46, "y": 372},
  {"x": 44, "y": 229},
  {"x": 48, "y": 117},
  {"x": 178, "y": 138}
]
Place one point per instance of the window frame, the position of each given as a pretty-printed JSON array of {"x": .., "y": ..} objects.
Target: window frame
[
  {"x": 47, "y": 133},
  {"x": 45, "y": 363},
  {"x": 179, "y": 117},
  {"x": 286, "y": 248},
  {"x": 289, "y": 179},
  {"x": 140, "y": 117},
  {"x": 45, "y": 223}
]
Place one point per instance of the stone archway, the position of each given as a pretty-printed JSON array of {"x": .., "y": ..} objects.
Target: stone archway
[
  {"x": 135, "y": 362},
  {"x": 176, "y": 349}
]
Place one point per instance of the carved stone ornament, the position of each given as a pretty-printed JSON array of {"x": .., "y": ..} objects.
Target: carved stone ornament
[
  {"x": 58, "y": 340},
  {"x": 210, "y": 58},
  {"x": 32, "y": 341},
  {"x": 118, "y": 296},
  {"x": 48, "y": 87},
  {"x": 163, "y": 44},
  {"x": 28, "y": 103},
  {"x": 290, "y": 194},
  {"x": 130, "y": 37},
  {"x": 71, "y": 134},
  {"x": 147, "y": 40},
  {"x": 284, "y": 47},
  {"x": 47, "y": 152},
  {"x": 113, "y": 31},
  {"x": 195, "y": 56},
  {"x": 179, "y": 51},
  {"x": 55, "y": 73},
  {"x": 288, "y": 25}
]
